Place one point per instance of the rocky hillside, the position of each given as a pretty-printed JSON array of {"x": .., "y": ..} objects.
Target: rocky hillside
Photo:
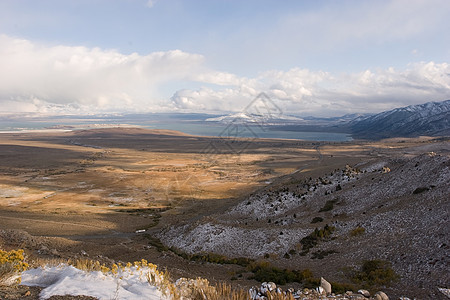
[
  {"x": 392, "y": 209},
  {"x": 431, "y": 119}
]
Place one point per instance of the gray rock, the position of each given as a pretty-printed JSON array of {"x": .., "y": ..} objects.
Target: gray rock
[{"x": 445, "y": 291}]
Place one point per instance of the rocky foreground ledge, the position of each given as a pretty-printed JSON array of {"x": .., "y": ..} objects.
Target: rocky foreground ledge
[{"x": 269, "y": 290}]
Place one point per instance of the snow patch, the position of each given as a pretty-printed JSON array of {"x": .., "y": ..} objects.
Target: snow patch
[{"x": 129, "y": 283}]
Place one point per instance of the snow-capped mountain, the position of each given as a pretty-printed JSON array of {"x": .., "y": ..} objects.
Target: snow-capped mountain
[
  {"x": 432, "y": 119},
  {"x": 249, "y": 118}
]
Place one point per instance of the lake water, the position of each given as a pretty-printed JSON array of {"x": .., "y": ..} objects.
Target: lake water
[
  {"x": 184, "y": 124},
  {"x": 223, "y": 130}
]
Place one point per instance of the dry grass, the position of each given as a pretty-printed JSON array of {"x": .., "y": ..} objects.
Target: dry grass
[
  {"x": 357, "y": 231},
  {"x": 200, "y": 289}
]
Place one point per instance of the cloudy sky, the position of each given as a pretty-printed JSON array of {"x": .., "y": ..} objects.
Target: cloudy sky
[{"x": 322, "y": 58}]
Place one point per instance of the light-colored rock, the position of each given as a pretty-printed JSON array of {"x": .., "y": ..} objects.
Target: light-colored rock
[
  {"x": 381, "y": 296},
  {"x": 325, "y": 285},
  {"x": 445, "y": 291},
  {"x": 320, "y": 290},
  {"x": 365, "y": 293},
  {"x": 264, "y": 288},
  {"x": 271, "y": 286}
]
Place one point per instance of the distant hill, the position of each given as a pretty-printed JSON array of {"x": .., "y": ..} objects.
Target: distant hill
[
  {"x": 255, "y": 119},
  {"x": 431, "y": 119}
]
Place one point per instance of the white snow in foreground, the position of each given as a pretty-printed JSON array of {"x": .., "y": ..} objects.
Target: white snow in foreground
[{"x": 128, "y": 283}]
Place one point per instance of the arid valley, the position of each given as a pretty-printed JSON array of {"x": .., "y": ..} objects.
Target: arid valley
[{"x": 126, "y": 194}]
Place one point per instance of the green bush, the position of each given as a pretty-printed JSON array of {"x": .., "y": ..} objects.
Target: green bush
[
  {"x": 213, "y": 258},
  {"x": 357, "y": 231},
  {"x": 375, "y": 273},
  {"x": 265, "y": 272},
  {"x": 420, "y": 190},
  {"x": 329, "y": 205},
  {"x": 341, "y": 288},
  {"x": 316, "y": 220},
  {"x": 312, "y": 239},
  {"x": 322, "y": 254}
]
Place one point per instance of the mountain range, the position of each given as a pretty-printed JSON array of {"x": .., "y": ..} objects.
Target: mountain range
[{"x": 429, "y": 119}]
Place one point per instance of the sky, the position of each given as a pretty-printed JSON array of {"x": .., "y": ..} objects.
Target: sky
[{"x": 319, "y": 58}]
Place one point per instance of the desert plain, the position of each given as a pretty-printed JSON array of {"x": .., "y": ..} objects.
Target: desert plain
[{"x": 107, "y": 194}]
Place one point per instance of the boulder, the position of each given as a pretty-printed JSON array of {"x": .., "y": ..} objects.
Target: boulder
[
  {"x": 365, "y": 293},
  {"x": 325, "y": 285},
  {"x": 264, "y": 288},
  {"x": 445, "y": 291},
  {"x": 271, "y": 286},
  {"x": 253, "y": 292},
  {"x": 381, "y": 296},
  {"x": 320, "y": 290}
]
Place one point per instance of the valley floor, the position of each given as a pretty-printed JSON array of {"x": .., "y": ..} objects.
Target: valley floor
[{"x": 129, "y": 194}]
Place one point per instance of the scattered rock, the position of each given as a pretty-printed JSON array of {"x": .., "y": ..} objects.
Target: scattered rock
[
  {"x": 365, "y": 293},
  {"x": 320, "y": 290},
  {"x": 446, "y": 292},
  {"x": 325, "y": 285},
  {"x": 381, "y": 296}
]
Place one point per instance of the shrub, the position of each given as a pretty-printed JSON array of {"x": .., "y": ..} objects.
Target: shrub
[
  {"x": 11, "y": 264},
  {"x": 313, "y": 238},
  {"x": 420, "y": 190},
  {"x": 357, "y": 231},
  {"x": 213, "y": 258},
  {"x": 328, "y": 205},
  {"x": 265, "y": 272},
  {"x": 374, "y": 273},
  {"x": 316, "y": 220},
  {"x": 155, "y": 242},
  {"x": 322, "y": 254},
  {"x": 341, "y": 288}
]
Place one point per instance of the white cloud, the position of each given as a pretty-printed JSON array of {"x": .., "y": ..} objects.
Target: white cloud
[
  {"x": 91, "y": 77},
  {"x": 300, "y": 91},
  {"x": 62, "y": 79}
]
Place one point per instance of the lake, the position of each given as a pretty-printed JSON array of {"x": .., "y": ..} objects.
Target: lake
[{"x": 188, "y": 123}]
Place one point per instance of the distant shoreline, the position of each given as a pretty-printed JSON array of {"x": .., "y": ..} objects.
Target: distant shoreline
[{"x": 213, "y": 130}]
